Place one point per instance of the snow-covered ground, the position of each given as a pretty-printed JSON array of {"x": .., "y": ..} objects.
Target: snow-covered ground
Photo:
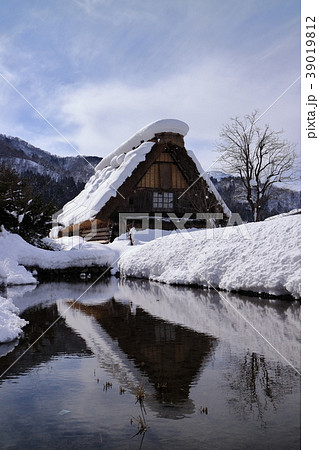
[
  {"x": 74, "y": 251},
  {"x": 262, "y": 257},
  {"x": 15, "y": 253}
]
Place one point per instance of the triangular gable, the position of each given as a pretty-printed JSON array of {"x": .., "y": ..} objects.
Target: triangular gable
[
  {"x": 164, "y": 173},
  {"x": 161, "y": 163},
  {"x": 187, "y": 167}
]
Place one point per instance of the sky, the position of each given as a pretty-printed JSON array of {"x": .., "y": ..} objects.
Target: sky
[{"x": 82, "y": 76}]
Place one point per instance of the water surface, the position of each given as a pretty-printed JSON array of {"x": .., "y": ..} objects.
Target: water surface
[{"x": 219, "y": 371}]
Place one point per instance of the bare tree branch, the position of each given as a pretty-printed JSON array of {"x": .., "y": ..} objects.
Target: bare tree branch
[{"x": 258, "y": 156}]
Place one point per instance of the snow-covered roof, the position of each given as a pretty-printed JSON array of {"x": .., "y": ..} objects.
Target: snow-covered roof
[
  {"x": 145, "y": 134},
  {"x": 210, "y": 184},
  {"x": 103, "y": 185},
  {"x": 115, "y": 168}
]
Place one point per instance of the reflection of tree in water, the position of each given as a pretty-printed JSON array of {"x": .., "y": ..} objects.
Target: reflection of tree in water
[{"x": 259, "y": 385}]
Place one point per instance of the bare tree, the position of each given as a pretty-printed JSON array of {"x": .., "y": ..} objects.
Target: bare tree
[
  {"x": 258, "y": 156},
  {"x": 198, "y": 196}
]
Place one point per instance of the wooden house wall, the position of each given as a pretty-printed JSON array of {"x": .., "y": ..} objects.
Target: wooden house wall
[
  {"x": 141, "y": 200},
  {"x": 163, "y": 174},
  {"x": 166, "y": 169}
]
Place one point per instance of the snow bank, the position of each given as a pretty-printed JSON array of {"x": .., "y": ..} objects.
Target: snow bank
[
  {"x": 11, "y": 273},
  {"x": 10, "y": 323},
  {"x": 293, "y": 212},
  {"x": 15, "y": 253},
  {"x": 73, "y": 243},
  {"x": 262, "y": 257}
]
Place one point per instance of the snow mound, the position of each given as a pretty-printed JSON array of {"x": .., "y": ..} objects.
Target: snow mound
[
  {"x": 11, "y": 273},
  {"x": 16, "y": 253},
  {"x": 262, "y": 257},
  {"x": 10, "y": 323}
]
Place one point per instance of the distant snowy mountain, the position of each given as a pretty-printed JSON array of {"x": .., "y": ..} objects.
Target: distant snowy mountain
[
  {"x": 58, "y": 178},
  {"x": 62, "y": 178},
  {"x": 24, "y": 157},
  {"x": 217, "y": 174},
  {"x": 282, "y": 200}
]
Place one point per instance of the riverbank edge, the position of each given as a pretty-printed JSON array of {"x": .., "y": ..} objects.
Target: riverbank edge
[
  {"x": 263, "y": 295},
  {"x": 93, "y": 273},
  {"x": 89, "y": 273}
]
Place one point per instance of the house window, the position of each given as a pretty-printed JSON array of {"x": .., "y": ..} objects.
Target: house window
[{"x": 163, "y": 200}]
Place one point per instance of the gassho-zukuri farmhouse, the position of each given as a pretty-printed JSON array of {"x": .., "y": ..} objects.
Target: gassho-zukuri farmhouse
[{"x": 150, "y": 174}]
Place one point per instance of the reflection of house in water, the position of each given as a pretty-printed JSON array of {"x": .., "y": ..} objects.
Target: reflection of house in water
[
  {"x": 57, "y": 340},
  {"x": 169, "y": 355}
]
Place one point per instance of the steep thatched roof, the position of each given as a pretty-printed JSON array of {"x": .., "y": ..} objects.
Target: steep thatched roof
[{"x": 115, "y": 170}]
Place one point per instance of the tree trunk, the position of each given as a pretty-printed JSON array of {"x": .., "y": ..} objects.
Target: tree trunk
[{"x": 258, "y": 214}]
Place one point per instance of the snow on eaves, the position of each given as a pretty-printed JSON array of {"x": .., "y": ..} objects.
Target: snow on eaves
[
  {"x": 145, "y": 134},
  {"x": 102, "y": 186},
  {"x": 210, "y": 184},
  {"x": 115, "y": 168}
]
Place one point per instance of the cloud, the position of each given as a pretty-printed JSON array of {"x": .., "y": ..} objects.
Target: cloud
[
  {"x": 101, "y": 116},
  {"x": 100, "y": 70}
]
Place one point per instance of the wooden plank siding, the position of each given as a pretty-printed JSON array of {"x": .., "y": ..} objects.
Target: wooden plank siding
[
  {"x": 163, "y": 174},
  {"x": 100, "y": 235}
]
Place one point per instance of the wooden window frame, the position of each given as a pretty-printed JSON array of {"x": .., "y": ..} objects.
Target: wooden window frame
[{"x": 163, "y": 200}]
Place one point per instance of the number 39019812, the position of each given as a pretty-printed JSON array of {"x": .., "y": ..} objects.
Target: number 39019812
[{"x": 311, "y": 47}]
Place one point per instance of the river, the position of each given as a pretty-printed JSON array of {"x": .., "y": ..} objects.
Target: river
[{"x": 213, "y": 370}]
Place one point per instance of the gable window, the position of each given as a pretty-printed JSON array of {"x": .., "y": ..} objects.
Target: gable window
[{"x": 164, "y": 200}]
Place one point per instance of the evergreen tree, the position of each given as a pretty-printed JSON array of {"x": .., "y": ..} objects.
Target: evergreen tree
[
  {"x": 22, "y": 209},
  {"x": 11, "y": 198}
]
